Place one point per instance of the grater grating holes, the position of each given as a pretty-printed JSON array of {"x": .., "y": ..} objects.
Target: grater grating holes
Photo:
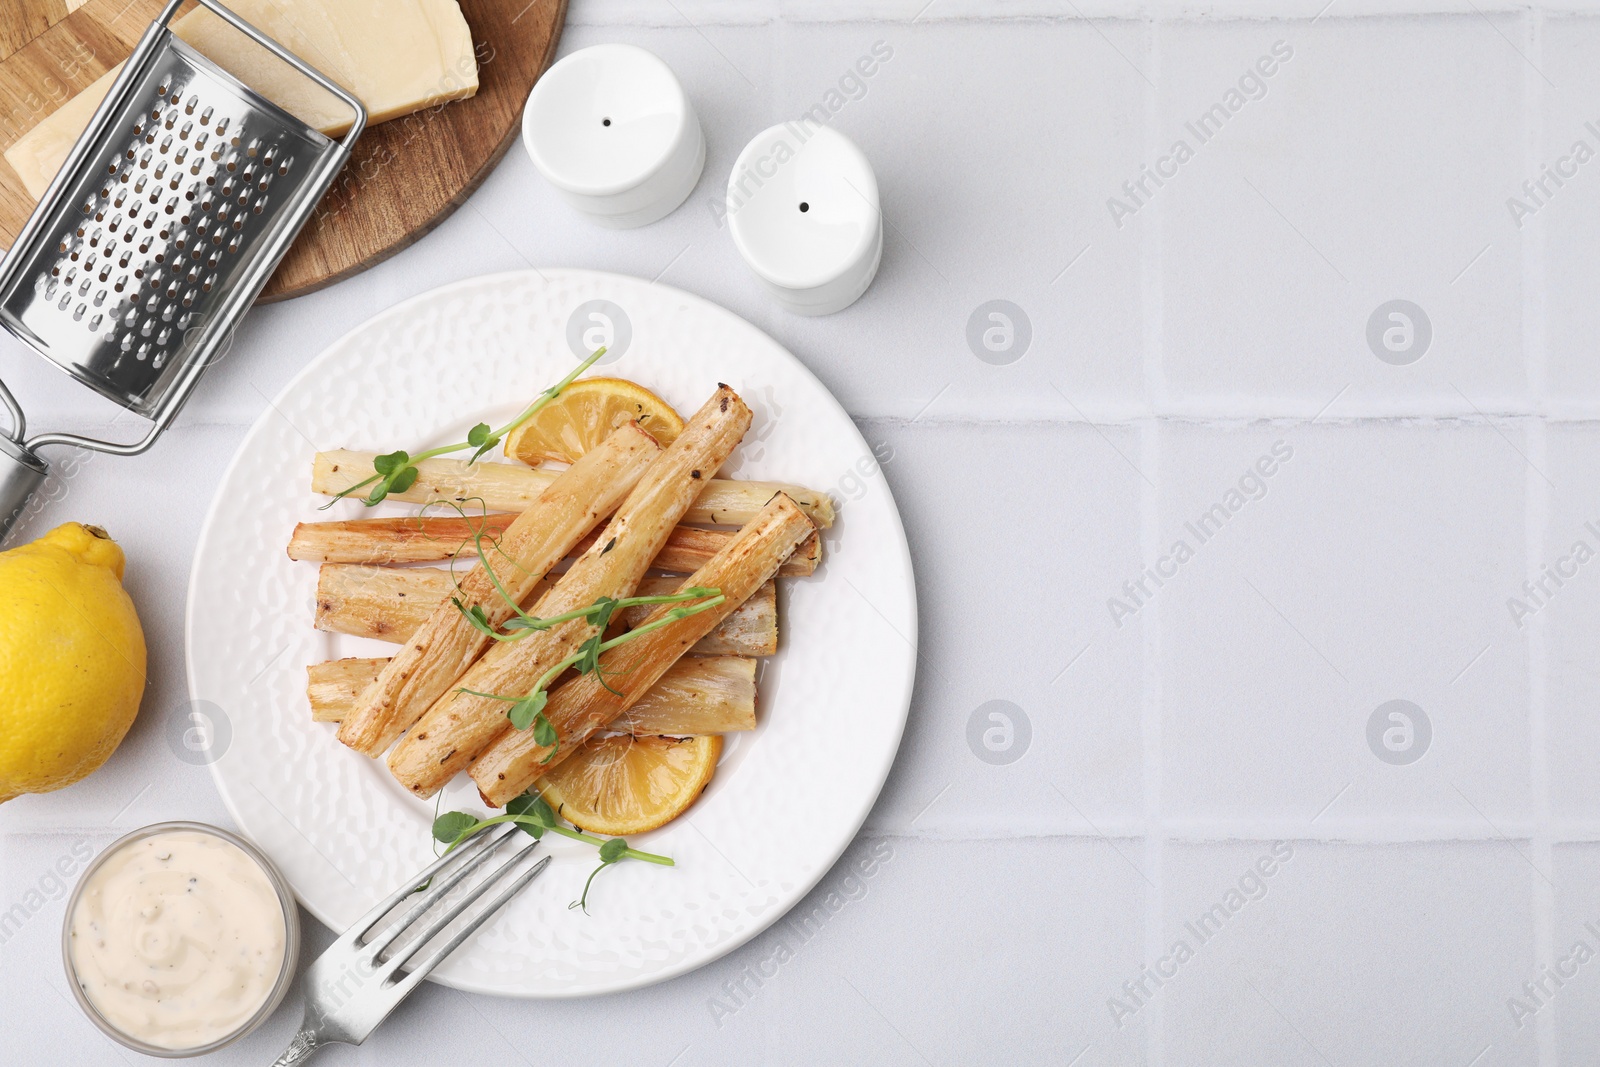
[{"x": 218, "y": 173}]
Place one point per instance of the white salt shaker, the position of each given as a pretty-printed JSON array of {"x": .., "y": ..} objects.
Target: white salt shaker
[
  {"x": 610, "y": 127},
  {"x": 802, "y": 206}
]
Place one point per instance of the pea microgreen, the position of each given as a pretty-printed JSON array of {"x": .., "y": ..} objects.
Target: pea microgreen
[
  {"x": 527, "y": 710},
  {"x": 610, "y": 853},
  {"x": 395, "y": 472},
  {"x": 533, "y": 816},
  {"x": 452, "y": 824}
]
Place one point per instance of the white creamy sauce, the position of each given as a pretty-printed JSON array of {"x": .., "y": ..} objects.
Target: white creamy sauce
[{"x": 178, "y": 939}]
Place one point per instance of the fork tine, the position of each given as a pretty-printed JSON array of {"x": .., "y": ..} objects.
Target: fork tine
[
  {"x": 431, "y": 927},
  {"x": 434, "y": 958},
  {"x": 477, "y": 843},
  {"x": 436, "y": 892}
]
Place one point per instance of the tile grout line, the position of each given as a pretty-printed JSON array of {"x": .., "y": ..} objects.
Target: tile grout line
[
  {"x": 1537, "y": 519},
  {"x": 1130, "y": 415},
  {"x": 1532, "y": 246},
  {"x": 1155, "y": 837},
  {"x": 1541, "y": 846},
  {"x": 1152, "y": 238},
  {"x": 1150, "y": 278},
  {"x": 1249, "y": 832},
  {"x": 1237, "y": 14},
  {"x": 778, "y": 35},
  {"x": 1423, "y": 414}
]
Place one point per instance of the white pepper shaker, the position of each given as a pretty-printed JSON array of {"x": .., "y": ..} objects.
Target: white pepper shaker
[
  {"x": 802, "y": 205},
  {"x": 612, "y": 129}
]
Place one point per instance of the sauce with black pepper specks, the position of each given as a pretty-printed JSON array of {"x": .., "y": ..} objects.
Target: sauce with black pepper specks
[{"x": 178, "y": 938}]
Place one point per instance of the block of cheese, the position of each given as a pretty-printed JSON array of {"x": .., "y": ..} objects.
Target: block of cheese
[
  {"x": 39, "y": 153},
  {"x": 396, "y": 56}
]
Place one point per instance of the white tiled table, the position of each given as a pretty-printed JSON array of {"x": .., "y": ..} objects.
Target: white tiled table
[{"x": 1408, "y": 902}]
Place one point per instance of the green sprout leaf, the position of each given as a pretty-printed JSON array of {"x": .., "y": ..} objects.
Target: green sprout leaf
[
  {"x": 390, "y": 462},
  {"x": 403, "y": 479},
  {"x": 530, "y": 710},
  {"x": 474, "y": 615},
  {"x": 533, "y": 806},
  {"x": 395, "y": 475},
  {"x": 481, "y": 438},
  {"x": 603, "y": 609},
  {"x": 588, "y": 659},
  {"x": 544, "y": 732},
  {"x": 452, "y": 826}
]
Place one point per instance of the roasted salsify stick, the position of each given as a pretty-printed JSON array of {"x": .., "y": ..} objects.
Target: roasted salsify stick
[
  {"x": 461, "y": 722},
  {"x": 588, "y": 703},
  {"x": 403, "y": 539},
  {"x": 513, "y": 487},
  {"x": 392, "y": 603},
  {"x": 699, "y": 695},
  {"x": 429, "y": 538},
  {"x": 447, "y": 644},
  {"x": 386, "y": 603}
]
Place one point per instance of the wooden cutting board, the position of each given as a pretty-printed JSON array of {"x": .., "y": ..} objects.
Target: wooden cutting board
[{"x": 404, "y": 178}]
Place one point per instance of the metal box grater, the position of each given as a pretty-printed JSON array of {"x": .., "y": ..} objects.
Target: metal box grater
[{"x": 165, "y": 222}]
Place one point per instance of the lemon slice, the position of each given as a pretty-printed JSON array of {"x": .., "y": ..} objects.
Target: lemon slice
[
  {"x": 582, "y": 416},
  {"x": 627, "y": 785}
]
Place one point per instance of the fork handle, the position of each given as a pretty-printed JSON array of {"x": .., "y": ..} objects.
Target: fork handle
[{"x": 300, "y": 1049}]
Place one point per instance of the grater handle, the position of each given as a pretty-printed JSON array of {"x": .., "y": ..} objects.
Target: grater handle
[
  {"x": 19, "y": 420},
  {"x": 21, "y": 475}
]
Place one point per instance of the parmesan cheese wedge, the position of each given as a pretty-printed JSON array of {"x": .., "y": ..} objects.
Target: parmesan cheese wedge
[{"x": 396, "y": 56}]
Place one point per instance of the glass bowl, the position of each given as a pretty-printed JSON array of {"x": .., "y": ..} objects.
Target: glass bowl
[{"x": 291, "y": 941}]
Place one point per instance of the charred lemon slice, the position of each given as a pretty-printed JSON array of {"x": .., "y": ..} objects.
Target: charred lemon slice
[
  {"x": 583, "y": 414},
  {"x": 627, "y": 785}
]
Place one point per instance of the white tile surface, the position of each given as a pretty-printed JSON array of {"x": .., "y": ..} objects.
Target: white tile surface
[
  {"x": 1564, "y": 1006},
  {"x": 1567, "y": 222},
  {"x": 1073, "y": 743},
  {"x": 1561, "y": 619},
  {"x": 38, "y": 871},
  {"x": 1348, "y": 953},
  {"x": 1315, "y": 204},
  {"x": 1352, "y": 582},
  {"x": 1231, "y": 708}
]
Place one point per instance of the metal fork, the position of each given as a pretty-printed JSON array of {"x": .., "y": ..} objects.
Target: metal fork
[{"x": 350, "y": 989}]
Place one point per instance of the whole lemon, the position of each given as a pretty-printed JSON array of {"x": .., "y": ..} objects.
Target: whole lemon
[{"x": 72, "y": 659}]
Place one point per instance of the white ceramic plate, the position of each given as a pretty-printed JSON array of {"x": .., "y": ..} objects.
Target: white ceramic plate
[{"x": 787, "y": 799}]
